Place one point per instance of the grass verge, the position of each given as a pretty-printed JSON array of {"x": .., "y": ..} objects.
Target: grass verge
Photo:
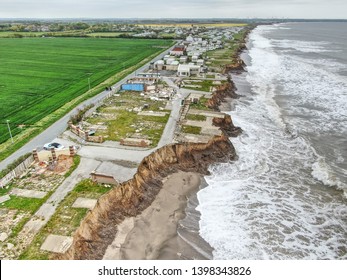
[
  {"x": 191, "y": 129},
  {"x": 196, "y": 117}
]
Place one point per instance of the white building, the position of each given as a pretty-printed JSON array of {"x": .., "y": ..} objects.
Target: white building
[{"x": 185, "y": 70}]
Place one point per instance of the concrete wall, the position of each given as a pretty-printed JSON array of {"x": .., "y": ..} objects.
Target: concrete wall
[
  {"x": 104, "y": 179},
  {"x": 135, "y": 142},
  {"x": 45, "y": 155},
  {"x": 84, "y": 135}
]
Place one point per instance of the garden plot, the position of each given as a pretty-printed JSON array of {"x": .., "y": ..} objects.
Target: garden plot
[{"x": 131, "y": 115}]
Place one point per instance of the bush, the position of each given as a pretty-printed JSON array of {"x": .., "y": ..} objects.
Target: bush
[{"x": 75, "y": 119}]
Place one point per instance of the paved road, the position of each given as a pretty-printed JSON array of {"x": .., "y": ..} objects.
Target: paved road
[
  {"x": 60, "y": 126},
  {"x": 170, "y": 127}
]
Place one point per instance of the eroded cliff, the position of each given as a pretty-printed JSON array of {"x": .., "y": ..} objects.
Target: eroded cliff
[
  {"x": 220, "y": 94},
  {"x": 99, "y": 227},
  {"x": 227, "y": 126}
]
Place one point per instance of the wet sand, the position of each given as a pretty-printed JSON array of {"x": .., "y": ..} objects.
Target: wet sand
[{"x": 163, "y": 230}]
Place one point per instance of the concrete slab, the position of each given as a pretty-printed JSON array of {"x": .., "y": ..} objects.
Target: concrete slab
[
  {"x": 151, "y": 113},
  {"x": 120, "y": 173},
  {"x": 57, "y": 243},
  {"x": 4, "y": 198},
  {"x": 28, "y": 193},
  {"x": 33, "y": 226},
  {"x": 84, "y": 203},
  {"x": 193, "y": 138},
  {"x": 197, "y": 123},
  {"x": 3, "y": 236},
  {"x": 211, "y": 131},
  {"x": 206, "y": 113}
]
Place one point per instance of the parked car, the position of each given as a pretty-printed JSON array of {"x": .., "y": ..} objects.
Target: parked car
[{"x": 54, "y": 145}]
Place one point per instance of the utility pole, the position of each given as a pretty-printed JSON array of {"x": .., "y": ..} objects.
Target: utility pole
[{"x": 9, "y": 130}]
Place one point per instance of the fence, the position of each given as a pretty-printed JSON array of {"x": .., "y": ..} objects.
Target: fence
[
  {"x": 135, "y": 142},
  {"x": 16, "y": 172}
]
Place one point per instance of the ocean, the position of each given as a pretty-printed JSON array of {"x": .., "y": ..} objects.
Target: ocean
[{"x": 286, "y": 195}]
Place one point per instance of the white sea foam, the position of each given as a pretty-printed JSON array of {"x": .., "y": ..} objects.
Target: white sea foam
[
  {"x": 269, "y": 203},
  {"x": 303, "y": 46},
  {"x": 322, "y": 172}
]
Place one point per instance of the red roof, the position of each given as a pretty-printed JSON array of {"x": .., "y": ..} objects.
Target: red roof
[{"x": 178, "y": 49}]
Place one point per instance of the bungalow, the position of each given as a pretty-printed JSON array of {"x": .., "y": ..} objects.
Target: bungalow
[
  {"x": 183, "y": 59},
  {"x": 185, "y": 70},
  {"x": 159, "y": 65},
  {"x": 200, "y": 62},
  {"x": 177, "y": 51}
]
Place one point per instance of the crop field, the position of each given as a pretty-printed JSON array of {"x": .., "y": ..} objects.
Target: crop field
[
  {"x": 107, "y": 34},
  {"x": 39, "y": 75}
]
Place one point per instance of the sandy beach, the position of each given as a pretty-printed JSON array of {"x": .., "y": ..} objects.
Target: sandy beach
[{"x": 159, "y": 231}]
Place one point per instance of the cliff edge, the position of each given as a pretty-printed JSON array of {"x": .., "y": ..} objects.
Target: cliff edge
[{"x": 99, "y": 227}]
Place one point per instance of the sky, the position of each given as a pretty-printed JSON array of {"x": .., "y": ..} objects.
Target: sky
[{"x": 321, "y": 9}]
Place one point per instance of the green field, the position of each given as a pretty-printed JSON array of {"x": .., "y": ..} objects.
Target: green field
[
  {"x": 11, "y": 34},
  {"x": 106, "y": 34},
  {"x": 39, "y": 75}
]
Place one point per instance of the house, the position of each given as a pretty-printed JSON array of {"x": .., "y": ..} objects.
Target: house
[
  {"x": 177, "y": 51},
  {"x": 183, "y": 70},
  {"x": 200, "y": 62},
  {"x": 166, "y": 57},
  {"x": 173, "y": 66},
  {"x": 190, "y": 38},
  {"x": 170, "y": 60},
  {"x": 183, "y": 59},
  {"x": 159, "y": 65}
]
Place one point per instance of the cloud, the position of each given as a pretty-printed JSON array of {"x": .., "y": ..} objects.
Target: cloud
[{"x": 173, "y": 9}]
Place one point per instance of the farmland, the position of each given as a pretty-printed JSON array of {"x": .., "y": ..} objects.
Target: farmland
[{"x": 40, "y": 75}]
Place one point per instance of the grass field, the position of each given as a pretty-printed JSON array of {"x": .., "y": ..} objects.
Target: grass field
[
  {"x": 40, "y": 75},
  {"x": 106, "y": 34}
]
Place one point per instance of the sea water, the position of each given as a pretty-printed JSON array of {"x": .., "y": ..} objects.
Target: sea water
[{"x": 286, "y": 195}]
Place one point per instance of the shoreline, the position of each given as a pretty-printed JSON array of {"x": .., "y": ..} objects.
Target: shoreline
[{"x": 144, "y": 237}]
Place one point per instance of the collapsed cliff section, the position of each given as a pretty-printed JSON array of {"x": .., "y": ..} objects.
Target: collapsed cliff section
[
  {"x": 99, "y": 227},
  {"x": 227, "y": 126},
  {"x": 227, "y": 90}
]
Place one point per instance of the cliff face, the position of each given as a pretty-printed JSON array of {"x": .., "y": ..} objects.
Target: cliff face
[
  {"x": 99, "y": 227},
  {"x": 238, "y": 65},
  {"x": 219, "y": 95},
  {"x": 227, "y": 126}
]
